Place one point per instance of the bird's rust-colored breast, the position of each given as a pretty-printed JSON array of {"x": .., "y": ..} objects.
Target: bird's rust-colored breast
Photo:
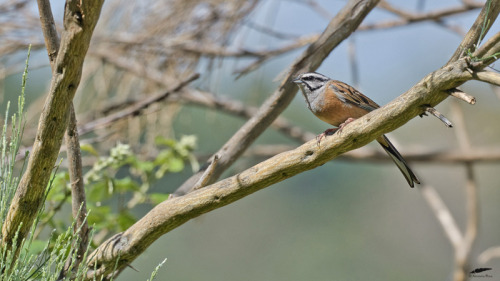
[{"x": 335, "y": 112}]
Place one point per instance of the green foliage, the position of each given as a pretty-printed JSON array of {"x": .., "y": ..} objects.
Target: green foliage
[
  {"x": 45, "y": 260},
  {"x": 116, "y": 183}
]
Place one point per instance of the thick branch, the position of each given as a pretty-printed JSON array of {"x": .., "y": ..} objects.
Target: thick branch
[
  {"x": 176, "y": 211},
  {"x": 79, "y": 22},
  {"x": 79, "y": 205}
]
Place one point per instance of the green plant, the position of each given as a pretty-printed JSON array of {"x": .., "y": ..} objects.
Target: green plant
[{"x": 119, "y": 179}]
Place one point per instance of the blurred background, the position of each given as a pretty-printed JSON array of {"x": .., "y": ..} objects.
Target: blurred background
[{"x": 345, "y": 220}]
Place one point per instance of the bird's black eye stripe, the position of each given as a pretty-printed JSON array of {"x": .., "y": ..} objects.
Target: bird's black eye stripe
[{"x": 314, "y": 78}]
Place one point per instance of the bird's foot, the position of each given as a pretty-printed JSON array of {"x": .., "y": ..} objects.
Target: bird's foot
[
  {"x": 341, "y": 126},
  {"x": 327, "y": 132}
]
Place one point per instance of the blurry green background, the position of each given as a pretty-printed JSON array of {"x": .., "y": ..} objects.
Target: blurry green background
[{"x": 343, "y": 220}]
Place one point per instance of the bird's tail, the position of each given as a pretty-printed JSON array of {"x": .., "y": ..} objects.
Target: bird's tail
[{"x": 398, "y": 159}]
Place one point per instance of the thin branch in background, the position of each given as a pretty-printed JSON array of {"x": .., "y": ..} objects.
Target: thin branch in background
[
  {"x": 410, "y": 18},
  {"x": 489, "y": 254},
  {"x": 209, "y": 100},
  {"x": 268, "y": 31},
  {"x": 136, "y": 107},
  {"x": 267, "y": 55},
  {"x": 496, "y": 90},
  {"x": 443, "y": 215},
  {"x": 463, "y": 253},
  {"x": 78, "y": 198},
  {"x": 313, "y": 5},
  {"x": 353, "y": 61},
  {"x": 460, "y": 130},
  {"x": 318, "y": 9},
  {"x": 366, "y": 154}
]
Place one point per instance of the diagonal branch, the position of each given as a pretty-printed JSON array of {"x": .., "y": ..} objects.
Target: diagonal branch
[{"x": 176, "y": 211}]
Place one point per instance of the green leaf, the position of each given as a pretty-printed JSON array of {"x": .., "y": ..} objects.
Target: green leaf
[
  {"x": 98, "y": 191},
  {"x": 144, "y": 166},
  {"x": 99, "y": 215},
  {"x": 125, "y": 184},
  {"x": 175, "y": 164}
]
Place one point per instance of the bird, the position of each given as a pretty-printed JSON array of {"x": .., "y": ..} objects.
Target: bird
[{"x": 338, "y": 104}]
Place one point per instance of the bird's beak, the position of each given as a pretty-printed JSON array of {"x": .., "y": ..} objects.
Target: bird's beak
[{"x": 297, "y": 81}]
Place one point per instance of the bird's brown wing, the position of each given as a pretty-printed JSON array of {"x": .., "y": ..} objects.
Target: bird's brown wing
[{"x": 352, "y": 96}]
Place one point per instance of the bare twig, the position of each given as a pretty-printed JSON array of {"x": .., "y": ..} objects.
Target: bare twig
[
  {"x": 438, "y": 115},
  {"x": 459, "y": 94},
  {"x": 208, "y": 174}
]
